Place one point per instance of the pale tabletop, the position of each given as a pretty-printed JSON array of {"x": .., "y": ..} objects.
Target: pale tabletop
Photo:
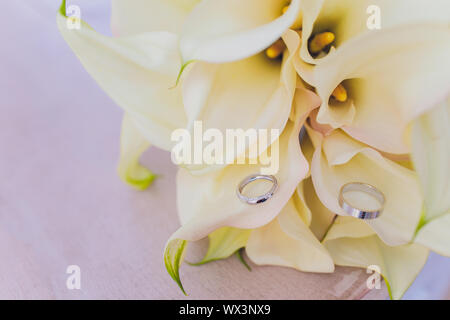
[{"x": 62, "y": 203}]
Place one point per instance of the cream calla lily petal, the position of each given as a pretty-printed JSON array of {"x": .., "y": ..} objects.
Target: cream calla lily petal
[
  {"x": 399, "y": 265},
  {"x": 348, "y": 227},
  {"x": 132, "y": 145},
  {"x": 313, "y": 213},
  {"x": 137, "y": 73},
  {"x": 321, "y": 218},
  {"x": 252, "y": 93},
  {"x": 224, "y": 242},
  {"x": 435, "y": 235},
  {"x": 223, "y": 31},
  {"x": 310, "y": 10},
  {"x": 341, "y": 160},
  {"x": 287, "y": 241},
  {"x": 385, "y": 91},
  {"x": 430, "y": 138},
  {"x": 323, "y": 129},
  {"x": 430, "y": 135},
  {"x": 293, "y": 40},
  {"x": 314, "y": 136},
  {"x": 130, "y": 17},
  {"x": 299, "y": 201}
]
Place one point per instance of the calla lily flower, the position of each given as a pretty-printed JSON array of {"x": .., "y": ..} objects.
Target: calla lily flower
[
  {"x": 434, "y": 235},
  {"x": 398, "y": 242},
  {"x": 347, "y": 19},
  {"x": 366, "y": 81},
  {"x": 385, "y": 93},
  {"x": 431, "y": 155},
  {"x": 430, "y": 138},
  {"x": 137, "y": 72},
  {"x": 338, "y": 159},
  {"x": 258, "y": 90}
]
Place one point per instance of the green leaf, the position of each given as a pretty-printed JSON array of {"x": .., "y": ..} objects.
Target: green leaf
[
  {"x": 183, "y": 67},
  {"x": 62, "y": 9},
  {"x": 223, "y": 243},
  {"x": 242, "y": 260},
  {"x": 173, "y": 257}
]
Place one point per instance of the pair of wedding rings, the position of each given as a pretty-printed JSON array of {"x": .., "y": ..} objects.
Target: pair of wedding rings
[{"x": 345, "y": 204}]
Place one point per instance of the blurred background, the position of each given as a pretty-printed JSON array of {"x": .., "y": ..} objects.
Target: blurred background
[{"x": 61, "y": 202}]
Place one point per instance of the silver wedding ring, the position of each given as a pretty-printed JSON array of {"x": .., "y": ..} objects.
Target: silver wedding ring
[
  {"x": 259, "y": 199},
  {"x": 359, "y": 212}
]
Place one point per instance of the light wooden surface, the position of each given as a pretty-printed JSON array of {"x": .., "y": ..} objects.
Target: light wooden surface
[{"x": 61, "y": 202}]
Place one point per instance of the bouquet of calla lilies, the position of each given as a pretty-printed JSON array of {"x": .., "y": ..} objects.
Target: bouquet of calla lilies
[{"x": 358, "y": 91}]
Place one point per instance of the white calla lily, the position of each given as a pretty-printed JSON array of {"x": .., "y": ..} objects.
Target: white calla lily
[
  {"x": 224, "y": 31},
  {"x": 351, "y": 243},
  {"x": 136, "y": 72},
  {"x": 216, "y": 93},
  {"x": 435, "y": 236},
  {"x": 430, "y": 137},
  {"x": 347, "y": 19},
  {"x": 254, "y": 93},
  {"x": 385, "y": 93},
  {"x": 339, "y": 159}
]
